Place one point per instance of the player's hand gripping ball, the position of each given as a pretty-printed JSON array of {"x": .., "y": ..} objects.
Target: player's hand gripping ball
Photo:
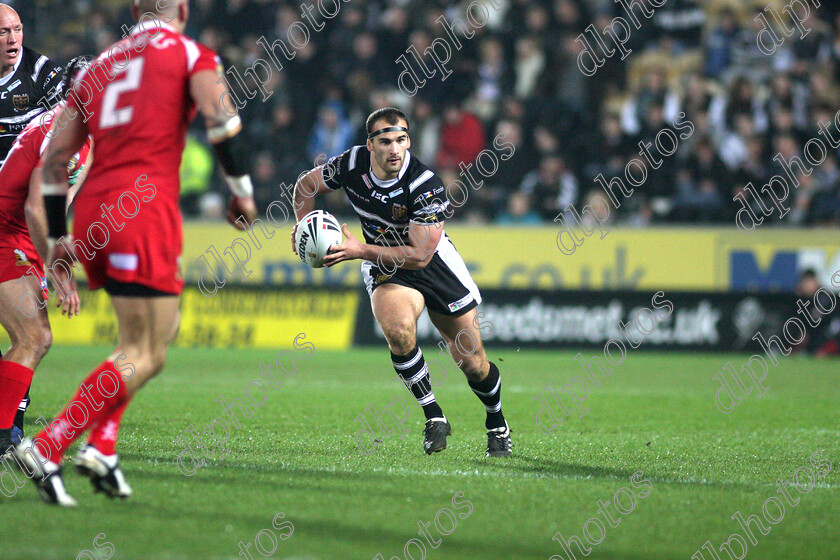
[{"x": 314, "y": 235}]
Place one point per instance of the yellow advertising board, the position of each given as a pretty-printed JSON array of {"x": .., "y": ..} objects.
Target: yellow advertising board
[
  {"x": 700, "y": 259},
  {"x": 234, "y": 317},
  {"x": 280, "y": 297}
]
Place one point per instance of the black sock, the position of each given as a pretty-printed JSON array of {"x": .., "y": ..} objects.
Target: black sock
[
  {"x": 414, "y": 373},
  {"x": 21, "y": 410},
  {"x": 489, "y": 391},
  {"x": 5, "y": 440}
]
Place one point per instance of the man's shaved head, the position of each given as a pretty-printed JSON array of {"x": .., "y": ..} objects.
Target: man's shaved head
[
  {"x": 173, "y": 12},
  {"x": 11, "y": 39},
  {"x": 6, "y": 9}
]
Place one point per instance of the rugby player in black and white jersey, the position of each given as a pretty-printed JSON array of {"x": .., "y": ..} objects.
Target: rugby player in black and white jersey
[
  {"x": 30, "y": 84},
  {"x": 409, "y": 263}
]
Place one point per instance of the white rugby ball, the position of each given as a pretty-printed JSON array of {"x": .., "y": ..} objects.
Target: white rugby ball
[{"x": 315, "y": 234}]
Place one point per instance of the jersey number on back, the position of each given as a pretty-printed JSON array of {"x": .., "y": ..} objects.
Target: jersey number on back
[{"x": 128, "y": 80}]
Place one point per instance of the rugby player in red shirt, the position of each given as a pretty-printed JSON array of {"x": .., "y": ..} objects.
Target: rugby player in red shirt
[
  {"x": 135, "y": 101},
  {"x": 23, "y": 250}
]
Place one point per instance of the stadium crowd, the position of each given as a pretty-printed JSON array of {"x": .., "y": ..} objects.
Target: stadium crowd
[{"x": 519, "y": 77}]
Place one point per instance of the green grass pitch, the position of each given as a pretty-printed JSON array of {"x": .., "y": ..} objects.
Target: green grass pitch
[{"x": 297, "y": 455}]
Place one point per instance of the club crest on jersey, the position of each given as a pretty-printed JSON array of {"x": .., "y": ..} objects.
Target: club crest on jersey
[
  {"x": 381, "y": 278},
  {"x": 22, "y": 259},
  {"x": 21, "y": 102},
  {"x": 399, "y": 211}
]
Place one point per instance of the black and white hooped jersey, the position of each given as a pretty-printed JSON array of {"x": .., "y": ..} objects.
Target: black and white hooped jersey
[
  {"x": 32, "y": 88},
  {"x": 386, "y": 208}
]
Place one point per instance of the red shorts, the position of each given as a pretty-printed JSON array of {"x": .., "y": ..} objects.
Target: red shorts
[
  {"x": 146, "y": 250},
  {"x": 18, "y": 262}
]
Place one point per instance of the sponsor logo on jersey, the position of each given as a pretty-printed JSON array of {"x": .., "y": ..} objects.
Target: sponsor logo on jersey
[
  {"x": 379, "y": 196},
  {"x": 399, "y": 191},
  {"x": 399, "y": 211},
  {"x": 375, "y": 228},
  {"x": 74, "y": 161},
  {"x": 427, "y": 216},
  {"x": 14, "y": 85},
  {"x": 367, "y": 181},
  {"x": 461, "y": 303},
  {"x": 428, "y": 213},
  {"x": 22, "y": 259},
  {"x": 21, "y": 102}
]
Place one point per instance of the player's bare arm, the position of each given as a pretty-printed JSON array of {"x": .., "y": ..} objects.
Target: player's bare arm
[
  {"x": 423, "y": 239},
  {"x": 308, "y": 186},
  {"x": 206, "y": 89},
  {"x": 61, "y": 148},
  {"x": 36, "y": 216},
  {"x": 36, "y": 222}
]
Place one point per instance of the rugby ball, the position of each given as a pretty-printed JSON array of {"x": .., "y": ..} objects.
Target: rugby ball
[{"x": 315, "y": 234}]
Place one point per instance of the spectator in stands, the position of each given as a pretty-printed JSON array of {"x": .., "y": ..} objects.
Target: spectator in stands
[
  {"x": 824, "y": 339},
  {"x": 510, "y": 172},
  {"x": 721, "y": 37},
  {"x": 747, "y": 59},
  {"x": 425, "y": 131},
  {"x": 529, "y": 64},
  {"x": 494, "y": 78},
  {"x": 332, "y": 134},
  {"x": 519, "y": 74},
  {"x": 265, "y": 178},
  {"x": 653, "y": 90},
  {"x": 196, "y": 172},
  {"x": 519, "y": 212},
  {"x": 679, "y": 25},
  {"x": 552, "y": 187},
  {"x": 461, "y": 137}
]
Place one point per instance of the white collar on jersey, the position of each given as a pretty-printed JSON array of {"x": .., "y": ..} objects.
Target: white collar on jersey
[
  {"x": 153, "y": 23},
  {"x": 9, "y": 76},
  {"x": 391, "y": 182}
]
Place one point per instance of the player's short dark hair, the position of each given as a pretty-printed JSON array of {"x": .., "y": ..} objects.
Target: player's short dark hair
[
  {"x": 74, "y": 66},
  {"x": 390, "y": 115},
  {"x": 72, "y": 69}
]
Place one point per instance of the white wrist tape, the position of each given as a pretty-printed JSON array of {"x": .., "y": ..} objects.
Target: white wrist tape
[
  {"x": 49, "y": 189},
  {"x": 224, "y": 131},
  {"x": 240, "y": 186}
]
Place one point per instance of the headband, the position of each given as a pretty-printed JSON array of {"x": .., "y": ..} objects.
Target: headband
[{"x": 387, "y": 129}]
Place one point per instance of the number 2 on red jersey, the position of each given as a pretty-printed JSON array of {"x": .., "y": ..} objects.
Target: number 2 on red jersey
[{"x": 125, "y": 80}]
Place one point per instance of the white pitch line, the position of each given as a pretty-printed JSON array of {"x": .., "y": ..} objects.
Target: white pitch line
[{"x": 551, "y": 476}]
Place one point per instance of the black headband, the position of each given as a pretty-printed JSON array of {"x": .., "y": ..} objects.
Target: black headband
[{"x": 387, "y": 129}]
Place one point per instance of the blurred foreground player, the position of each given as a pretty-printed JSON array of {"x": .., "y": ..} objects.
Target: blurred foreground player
[
  {"x": 32, "y": 84},
  {"x": 150, "y": 87},
  {"x": 23, "y": 251},
  {"x": 410, "y": 263}
]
